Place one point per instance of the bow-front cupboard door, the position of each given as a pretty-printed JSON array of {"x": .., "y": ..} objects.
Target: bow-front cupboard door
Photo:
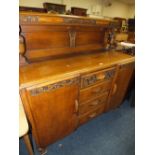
[{"x": 52, "y": 110}]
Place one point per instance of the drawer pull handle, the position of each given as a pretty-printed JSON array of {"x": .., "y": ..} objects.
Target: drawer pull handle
[
  {"x": 97, "y": 90},
  {"x": 95, "y": 103},
  {"x": 92, "y": 115},
  {"x": 114, "y": 89},
  {"x": 101, "y": 77},
  {"x": 76, "y": 106}
]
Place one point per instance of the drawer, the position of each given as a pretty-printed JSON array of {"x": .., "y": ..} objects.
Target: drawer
[
  {"x": 95, "y": 77},
  {"x": 90, "y": 115},
  {"x": 94, "y": 91},
  {"x": 88, "y": 106}
]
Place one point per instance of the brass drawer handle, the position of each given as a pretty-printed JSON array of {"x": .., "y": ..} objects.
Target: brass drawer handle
[
  {"x": 114, "y": 89},
  {"x": 97, "y": 90},
  {"x": 100, "y": 76},
  {"x": 95, "y": 103},
  {"x": 92, "y": 115},
  {"x": 76, "y": 106}
]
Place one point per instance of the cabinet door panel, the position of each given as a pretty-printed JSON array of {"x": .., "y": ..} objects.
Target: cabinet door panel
[
  {"x": 121, "y": 84},
  {"x": 53, "y": 112}
]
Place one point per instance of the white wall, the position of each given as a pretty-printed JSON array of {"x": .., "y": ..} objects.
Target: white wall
[
  {"x": 87, "y": 4},
  {"x": 37, "y": 3},
  {"x": 118, "y": 9},
  {"x": 131, "y": 11}
]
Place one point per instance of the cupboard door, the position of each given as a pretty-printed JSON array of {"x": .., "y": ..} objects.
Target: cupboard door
[
  {"x": 120, "y": 86},
  {"x": 52, "y": 110}
]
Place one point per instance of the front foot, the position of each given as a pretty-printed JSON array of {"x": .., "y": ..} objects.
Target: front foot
[{"x": 42, "y": 151}]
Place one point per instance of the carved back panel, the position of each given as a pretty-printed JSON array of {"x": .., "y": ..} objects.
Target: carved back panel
[{"x": 48, "y": 36}]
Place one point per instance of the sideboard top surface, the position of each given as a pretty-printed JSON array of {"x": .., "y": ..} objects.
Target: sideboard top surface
[
  {"x": 59, "y": 17},
  {"x": 59, "y": 69}
]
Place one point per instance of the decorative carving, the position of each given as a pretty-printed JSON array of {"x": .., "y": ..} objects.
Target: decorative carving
[
  {"x": 109, "y": 74},
  {"x": 109, "y": 41},
  {"x": 53, "y": 87},
  {"x": 89, "y": 80},
  {"x": 79, "y": 21},
  {"x": 29, "y": 19},
  {"x": 72, "y": 36}
]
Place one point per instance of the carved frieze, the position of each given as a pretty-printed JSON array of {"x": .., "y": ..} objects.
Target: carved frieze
[
  {"x": 29, "y": 19},
  {"x": 79, "y": 21},
  {"x": 53, "y": 87},
  {"x": 109, "y": 74},
  {"x": 89, "y": 80}
]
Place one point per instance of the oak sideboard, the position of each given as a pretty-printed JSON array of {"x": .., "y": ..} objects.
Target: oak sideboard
[{"x": 67, "y": 75}]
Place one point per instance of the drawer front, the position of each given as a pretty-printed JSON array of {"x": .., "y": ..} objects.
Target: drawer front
[
  {"x": 88, "y": 106},
  {"x": 94, "y": 91},
  {"x": 94, "y": 78},
  {"x": 90, "y": 115}
]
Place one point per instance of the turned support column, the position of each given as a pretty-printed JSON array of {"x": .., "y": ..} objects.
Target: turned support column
[{"x": 22, "y": 49}]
